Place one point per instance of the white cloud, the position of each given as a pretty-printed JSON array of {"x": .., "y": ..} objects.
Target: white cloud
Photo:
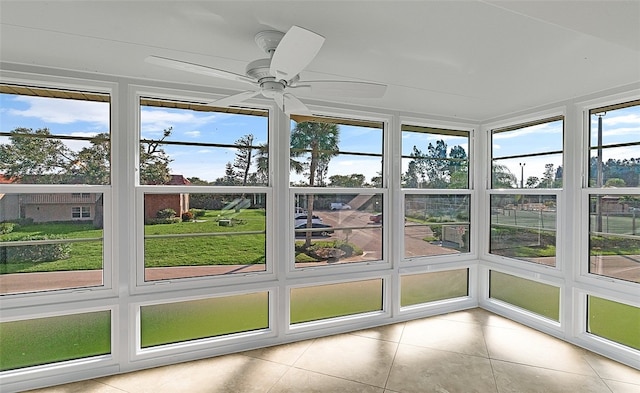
[
  {"x": 193, "y": 134},
  {"x": 61, "y": 111},
  {"x": 631, "y": 118},
  {"x": 155, "y": 120}
]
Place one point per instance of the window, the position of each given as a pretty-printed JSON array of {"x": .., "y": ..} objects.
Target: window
[
  {"x": 614, "y": 209},
  {"x": 614, "y": 321},
  {"x": 542, "y": 299},
  {"x": 312, "y": 303},
  {"x": 190, "y": 144},
  {"x": 527, "y": 157},
  {"x": 203, "y": 172},
  {"x": 196, "y": 319},
  {"x": 55, "y": 169},
  {"x": 436, "y": 222},
  {"x": 430, "y": 287},
  {"x": 33, "y": 342},
  {"x": 331, "y": 227},
  {"x": 614, "y": 146},
  {"x": 80, "y": 212},
  {"x": 524, "y": 227},
  {"x": 434, "y": 158}
]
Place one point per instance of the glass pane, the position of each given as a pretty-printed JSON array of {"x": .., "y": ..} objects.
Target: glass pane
[
  {"x": 614, "y": 145},
  {"x": 614, "y": 321},
  {"x": 524, "y": 227},
  {"x": 203, "y": 234},
  {"x": 434, "y": 158},
  {"x": 335, "y": 153},
  {"x": 191, "y": 320},
  {"x": 47, "y": 140},
  {"x": 431, "y": 287},
  {"x": 39, "y": 341},
  {"x": 176, "y": 142},
  {"x": 534, "y": 296},
  {"x": 335, "y": 300},
  {"x": 543, "y": 171},
  {"x": 337, "y": 229},
  {"x": 528, "y": 156},
  {"x": 436, "y": 225},
  {"x": 614, "y": 236},
  {"x": 45, "y": 245},
  {"x": 620, "y": 167}
]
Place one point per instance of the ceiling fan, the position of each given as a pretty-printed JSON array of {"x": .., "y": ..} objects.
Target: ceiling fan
[{"x": 277, "y": 77}]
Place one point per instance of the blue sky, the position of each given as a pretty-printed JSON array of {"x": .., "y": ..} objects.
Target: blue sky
[{"x": 84, "y": 118}]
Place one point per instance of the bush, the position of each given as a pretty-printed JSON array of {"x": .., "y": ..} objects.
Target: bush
[
  {"x": 187, "y": 216},
  {"x": 171, "y": 220},
  {"x": 166, "y": 213},
  {"x": 38, "y": 252},
  {"x": 197, "y": 212},
  {"x": 6, "y": 227}
]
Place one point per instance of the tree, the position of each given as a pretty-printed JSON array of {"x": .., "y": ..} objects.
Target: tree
[
  {"x": 244, "y": 157},
  {"x": 615, "y": 182},
  {"x": 501, "y": 177},
  {"x": 92, "y": 164},
  {"x": 548, "y": 176},
  {"x": 436, "y": 164},
  {"x": 154, "y": 162},
  {"x": 415, "y": 170},
  {"x": 435, "y": 169},
  {"x": 262, "y": 164},
  {"x": 532, "y": 182},
  {"x": 320, "y": 141},
  {"x": 35, "y": 157},
  {"x": 355, "y": 180}
]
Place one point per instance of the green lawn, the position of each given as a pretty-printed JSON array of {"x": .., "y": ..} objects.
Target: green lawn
[{"x": 165, "y": 244}]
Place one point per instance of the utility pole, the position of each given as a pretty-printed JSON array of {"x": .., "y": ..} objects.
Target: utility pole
[{"x": 522, "y": 164}]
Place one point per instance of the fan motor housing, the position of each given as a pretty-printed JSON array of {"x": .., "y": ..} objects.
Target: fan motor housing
[
  {"x": 271, "y": 89},
  {"x": 259, "y": 69}
]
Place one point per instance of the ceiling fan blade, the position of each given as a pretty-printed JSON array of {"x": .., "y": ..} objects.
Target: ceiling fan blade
[
  {"x": 235, "y": 98},
  {"x": 343, "y": 88},
  {"x": 197, "y": 68},
  {"x": 293, "y": 105},
  {"x": 294, "y": 52}
]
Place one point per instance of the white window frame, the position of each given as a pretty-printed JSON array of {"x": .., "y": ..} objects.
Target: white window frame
[{"x": 109, "y": 268}]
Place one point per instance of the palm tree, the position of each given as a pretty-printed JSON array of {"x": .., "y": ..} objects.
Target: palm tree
[{"x": 320, "y": 141}]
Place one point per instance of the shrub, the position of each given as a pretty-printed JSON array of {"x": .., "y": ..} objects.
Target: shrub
[
  {"x": 197, "y": 212},
  {"x": 187, "y": 216},
  {"x": 171, "y": 220},
  {"x": 166, "y": 213},
  {"x": 6, "y": 227},
  {"x": 38, "y": 252}
]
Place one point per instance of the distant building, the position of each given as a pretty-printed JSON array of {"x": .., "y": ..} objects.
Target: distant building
[{"x": 153, "y": 203}]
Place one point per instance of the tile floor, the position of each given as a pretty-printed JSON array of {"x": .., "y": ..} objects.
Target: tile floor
[{"x": 467, "y": 351}]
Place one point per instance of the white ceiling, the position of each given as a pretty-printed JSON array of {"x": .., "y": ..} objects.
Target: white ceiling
[{"x": 467, "y": 59}]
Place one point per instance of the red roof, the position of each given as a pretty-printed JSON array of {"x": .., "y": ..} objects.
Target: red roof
[
  {"x": 7, "y": 180},
  {"x": 178, "y": 180}
]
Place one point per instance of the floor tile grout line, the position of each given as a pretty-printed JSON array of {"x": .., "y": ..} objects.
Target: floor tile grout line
[
  {"x": 106, "y": 384},
  {"x": 337, "y": 377},
  {"x": 595, "y": 371},
  {"x": 395, "y": 354},
  {"x": 545, "y": 368},
  {"x": 486, "y": 347}
]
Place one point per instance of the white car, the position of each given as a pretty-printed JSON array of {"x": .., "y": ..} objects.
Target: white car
[{"x": 340, "y": 206}]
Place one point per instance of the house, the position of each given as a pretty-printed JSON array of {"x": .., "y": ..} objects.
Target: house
[{"x": 179, "y": 202}]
